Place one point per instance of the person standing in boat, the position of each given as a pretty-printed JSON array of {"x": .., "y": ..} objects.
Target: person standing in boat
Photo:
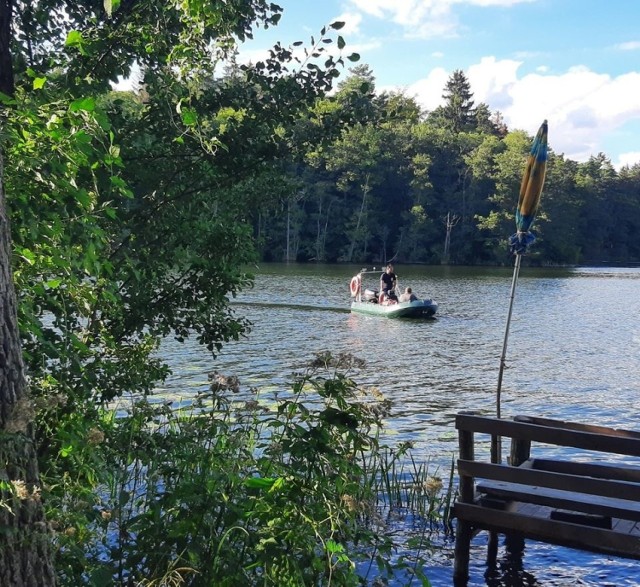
[
  {"x": 408, "y": 296},
  {"x": 388, "y": 282}
]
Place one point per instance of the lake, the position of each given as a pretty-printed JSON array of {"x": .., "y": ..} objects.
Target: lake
[{"x": 573, "y": 353}]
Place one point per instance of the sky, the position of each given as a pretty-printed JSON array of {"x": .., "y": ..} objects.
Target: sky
[{"x": 575, "y": 63}]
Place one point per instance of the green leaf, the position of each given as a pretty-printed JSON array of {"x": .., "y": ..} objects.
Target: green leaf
[
  {"x": 28, "y": 256},
  {"x": 5, "y": 99},
  {"x": 354, "y": 57},
  {"x": 86, "y": 104},
  {"x": 260, "y": 482},
  {"x": 332, "y": 547},
  {"x": 84, "y": 198},
  {"x": 337, "y": 25},
  {"x": 123, "y": 497},
  {"x": 65, "y": 451},
  {"x": 341, "y": 43},
  {"x": 39, "y": 82},
  {"x": 189, "y": 117},
  {"x": 74, "y": 39},
  {"x": 102, "y": 576},
  {"x": 278, "y": 484}
]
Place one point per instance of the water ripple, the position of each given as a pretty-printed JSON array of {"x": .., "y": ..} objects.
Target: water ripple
[{"x": 573, "y": 354}]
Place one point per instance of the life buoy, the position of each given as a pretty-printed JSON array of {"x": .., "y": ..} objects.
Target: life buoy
[{"x": 354, "y": 286}]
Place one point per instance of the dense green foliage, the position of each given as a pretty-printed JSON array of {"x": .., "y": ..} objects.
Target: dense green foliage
[
  {"x": 441, "y": 187},
  {"x": 130, "y": 212},
  {"x": 284, "y": 490}
]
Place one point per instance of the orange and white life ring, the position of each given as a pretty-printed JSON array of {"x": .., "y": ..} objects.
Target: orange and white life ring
[{"x": 354, "y": 286}]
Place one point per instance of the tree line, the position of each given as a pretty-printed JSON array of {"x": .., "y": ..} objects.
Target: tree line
[{"x": 441, "y": 187}]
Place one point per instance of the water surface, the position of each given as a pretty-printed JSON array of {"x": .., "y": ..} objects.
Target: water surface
[{"x": 573, "y": 353}]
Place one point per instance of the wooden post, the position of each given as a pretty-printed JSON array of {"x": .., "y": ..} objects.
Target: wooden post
[
  {"x": 520, "y": 451},
  {"x": 464, "y": 529}
]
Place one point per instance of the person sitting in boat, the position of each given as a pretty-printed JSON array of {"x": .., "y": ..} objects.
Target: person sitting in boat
[
  {"x": 388, "y": 284},
  {"x": 408, "y": 296}
]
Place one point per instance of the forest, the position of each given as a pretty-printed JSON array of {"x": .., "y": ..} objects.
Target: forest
[
  {"x": 441, "y": 187},
  {"x": 130, "y": 217}
]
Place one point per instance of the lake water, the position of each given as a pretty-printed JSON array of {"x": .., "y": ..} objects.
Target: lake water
[{"x": 573, "y": 354}]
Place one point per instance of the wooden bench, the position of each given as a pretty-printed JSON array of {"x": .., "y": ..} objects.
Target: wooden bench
[{"x": 590, "y": 502}]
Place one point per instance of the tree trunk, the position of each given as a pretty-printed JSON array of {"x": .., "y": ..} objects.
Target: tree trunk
[
  {"x": 365, "y": 191},
  {"x": 25, "y": 540},
  {"x": 450, "y": 221},
  {"x": 6, "y": 66},
  {"x": 287, "y": 253}
]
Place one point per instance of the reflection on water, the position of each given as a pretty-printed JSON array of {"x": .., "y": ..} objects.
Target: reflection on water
[{"x": 573, "y": 353}]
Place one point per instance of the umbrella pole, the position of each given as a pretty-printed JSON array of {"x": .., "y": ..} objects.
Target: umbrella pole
[{"x": 496, "y": 449}]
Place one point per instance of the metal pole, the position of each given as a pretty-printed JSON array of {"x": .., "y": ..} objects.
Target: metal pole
[{"x": 496, "y": 449}]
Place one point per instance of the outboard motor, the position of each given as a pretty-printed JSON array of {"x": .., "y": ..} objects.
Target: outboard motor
[{"x": 370, "y": 295}]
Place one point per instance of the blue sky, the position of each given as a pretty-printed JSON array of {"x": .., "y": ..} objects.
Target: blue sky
[{"x": 575, "y": 63}]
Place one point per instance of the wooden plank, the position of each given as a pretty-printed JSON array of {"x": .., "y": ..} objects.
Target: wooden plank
[
  {"x": 581, "y": 518},
  {"x": 556, "y": 480},
  {"x": 561, "y": 533},
  {"x": 568, "y": 500},
  {"x": 578, "y": 426},
  {"x": 616, "y": 442},
  {"x": 620, "y": 472},
  {"x": 527, "y": 509},
  {"x": 625, "y": 526}
]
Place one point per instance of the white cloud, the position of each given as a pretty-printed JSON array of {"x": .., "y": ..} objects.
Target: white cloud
[
  {"x": 428, "y": 91},
  {"x": 582, "y": 106},
  {"x": 493, "y": 2},
  {"x": 360, "y": 47},
  {"x": 132, "y": 82},
  {"x": 629, "y": 46},
  {"x": 419, "y": 18},
  {"x": 630, "y": 159},
  {"x": 246, "y": 56},
  {"x": 424, "y": 18},
  {"x": 351, "y": 21}
]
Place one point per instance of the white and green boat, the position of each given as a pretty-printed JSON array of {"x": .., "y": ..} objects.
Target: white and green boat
[{"x": 369, "y": 301}]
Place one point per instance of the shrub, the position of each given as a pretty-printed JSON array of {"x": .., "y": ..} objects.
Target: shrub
[{"x": 279, "y": 491}]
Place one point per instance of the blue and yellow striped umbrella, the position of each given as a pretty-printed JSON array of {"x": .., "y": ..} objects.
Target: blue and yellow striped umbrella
[{"x": 530, "y": 192}]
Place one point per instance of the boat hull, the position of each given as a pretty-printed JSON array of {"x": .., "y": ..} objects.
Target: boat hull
[{"x": 415, "y": 309}]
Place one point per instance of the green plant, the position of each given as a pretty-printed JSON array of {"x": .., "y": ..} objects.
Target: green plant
[{"x": 227, "y": 491}]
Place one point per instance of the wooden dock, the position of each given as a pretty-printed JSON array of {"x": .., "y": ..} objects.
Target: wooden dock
[{"x": 592, "y": 504}]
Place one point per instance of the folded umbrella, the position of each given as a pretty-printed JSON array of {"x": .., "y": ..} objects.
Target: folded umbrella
[{"x": 530, "y": 192}]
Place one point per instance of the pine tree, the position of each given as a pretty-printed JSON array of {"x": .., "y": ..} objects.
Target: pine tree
[{"x": 458, "y": 110}]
